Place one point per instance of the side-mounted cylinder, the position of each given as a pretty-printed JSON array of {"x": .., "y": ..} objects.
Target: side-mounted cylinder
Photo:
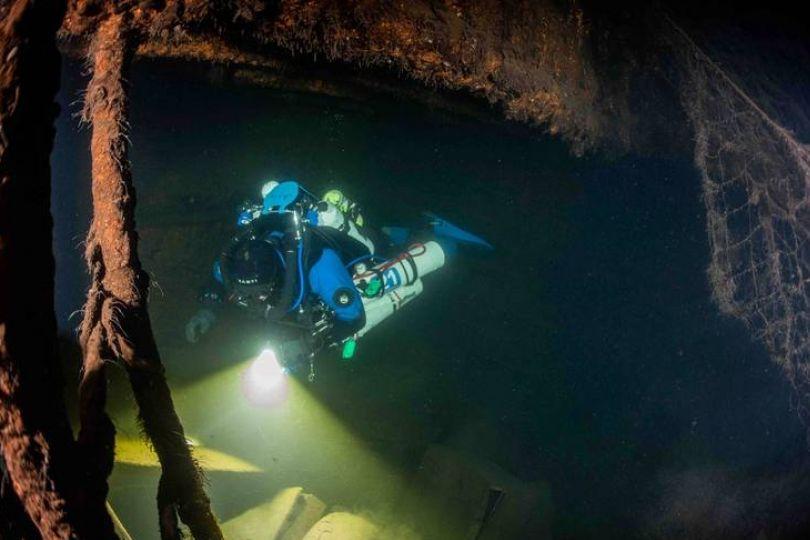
[{"x": 390, "y": 285}]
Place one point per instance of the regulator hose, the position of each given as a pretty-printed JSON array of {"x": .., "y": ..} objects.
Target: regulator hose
[
  {"x": 294, "y": 285},
  {"x": 281, "y": 308}
]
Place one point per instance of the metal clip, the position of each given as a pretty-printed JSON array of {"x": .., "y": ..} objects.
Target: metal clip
[{"x": 311, "y": 376}]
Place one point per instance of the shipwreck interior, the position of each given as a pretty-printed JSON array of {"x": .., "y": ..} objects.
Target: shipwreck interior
[
  {"x": 629, "y": 361},
  {"x": 575, "y": 358}
]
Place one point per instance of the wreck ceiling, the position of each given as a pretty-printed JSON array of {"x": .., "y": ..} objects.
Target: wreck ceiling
[{"x": 532, "y": 59}]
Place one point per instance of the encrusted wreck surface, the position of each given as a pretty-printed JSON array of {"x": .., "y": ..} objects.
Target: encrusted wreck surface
[{"x": 531, "y": 58}]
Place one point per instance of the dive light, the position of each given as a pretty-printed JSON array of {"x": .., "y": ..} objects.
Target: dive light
[{"x": 265, "y": 382}]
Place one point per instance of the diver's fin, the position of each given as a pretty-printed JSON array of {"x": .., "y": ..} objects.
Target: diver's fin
[
  {"x": 399, "y": 236},
  {"x": 444, "y": 229}
]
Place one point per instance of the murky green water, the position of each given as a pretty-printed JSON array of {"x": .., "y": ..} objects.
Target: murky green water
[{"x": 584, "y": 354}]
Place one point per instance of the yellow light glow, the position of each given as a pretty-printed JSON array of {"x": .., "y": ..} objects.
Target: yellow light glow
[
  {"x": 298, "y": 442},
  {"x": 135, "y": 451}
]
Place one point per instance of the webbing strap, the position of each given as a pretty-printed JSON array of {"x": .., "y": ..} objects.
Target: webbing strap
[{"x": 408, "y": 257}]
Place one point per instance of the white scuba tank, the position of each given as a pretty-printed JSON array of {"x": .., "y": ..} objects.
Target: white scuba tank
[
  {"x": 401, "y": 281},
  {"x": 418, "y": 261},
  {"x": 330, "y": 215},
  {"x": 380, "y": 308}
]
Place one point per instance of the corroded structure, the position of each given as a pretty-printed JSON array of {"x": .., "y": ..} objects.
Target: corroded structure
[{"x": 532, "y": 58}]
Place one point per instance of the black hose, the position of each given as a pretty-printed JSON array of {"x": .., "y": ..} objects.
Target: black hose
[{"x": 288, "y": 289}]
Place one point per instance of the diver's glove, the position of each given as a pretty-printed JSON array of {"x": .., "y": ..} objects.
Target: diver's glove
[{"x": 199, "y": 324}]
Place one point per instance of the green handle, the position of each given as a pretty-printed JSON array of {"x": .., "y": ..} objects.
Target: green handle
[
  {"x": 373, "y": 288},
  {"x": 349, "y": 348}
]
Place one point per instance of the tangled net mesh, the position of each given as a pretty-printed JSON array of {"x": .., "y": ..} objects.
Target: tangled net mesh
[{"x": 756, "y": 188}]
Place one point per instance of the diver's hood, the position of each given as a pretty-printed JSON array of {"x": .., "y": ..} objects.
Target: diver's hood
[
  {"x": 253, "y": 264},
  {"x": 259, "y": 266}
]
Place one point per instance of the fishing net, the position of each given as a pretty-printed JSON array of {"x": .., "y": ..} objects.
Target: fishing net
[{"x": 756, "y": 188}]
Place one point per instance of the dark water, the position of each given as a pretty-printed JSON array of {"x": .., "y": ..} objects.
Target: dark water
[{"x": 585, "y": 352}]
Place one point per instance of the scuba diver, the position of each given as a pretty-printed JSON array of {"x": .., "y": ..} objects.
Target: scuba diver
[{"x": 317, "y": 273}]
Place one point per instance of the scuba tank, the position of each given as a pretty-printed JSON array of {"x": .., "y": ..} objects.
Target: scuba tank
[{"x": 390, "y": 285}]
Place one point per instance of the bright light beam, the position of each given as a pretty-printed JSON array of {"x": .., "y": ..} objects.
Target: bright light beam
[{"x": 264, "y": 381}]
